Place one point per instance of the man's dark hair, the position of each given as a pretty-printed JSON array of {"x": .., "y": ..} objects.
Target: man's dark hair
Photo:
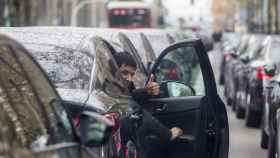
[{"x": 124, "y": 58}]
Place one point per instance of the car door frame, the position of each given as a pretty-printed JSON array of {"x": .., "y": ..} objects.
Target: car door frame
[{"x": 211, "y": 94}]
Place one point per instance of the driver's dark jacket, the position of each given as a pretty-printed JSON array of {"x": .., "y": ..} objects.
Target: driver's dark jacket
[{"x": 150, "y": 137}]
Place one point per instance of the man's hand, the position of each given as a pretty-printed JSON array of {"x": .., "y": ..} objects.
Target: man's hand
[
  {"x": 176, "y": 132},
  {"x": 152, "y": 87}
]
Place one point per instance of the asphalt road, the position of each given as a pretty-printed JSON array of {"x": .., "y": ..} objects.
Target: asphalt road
[{"x": 244, "y": 142}]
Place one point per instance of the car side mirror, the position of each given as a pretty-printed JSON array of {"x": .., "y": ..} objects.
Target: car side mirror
[
  {"x": 270, "y": 70},
  {"x": 94, "y": 129},
  {"x": 176, "y": 89},
  {"x": 245, "y": 59}
]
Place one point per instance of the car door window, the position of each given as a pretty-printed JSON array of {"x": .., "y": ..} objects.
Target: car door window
[
  {"x": 181, "y": 65},
  {"x": 108, "y": 78}
]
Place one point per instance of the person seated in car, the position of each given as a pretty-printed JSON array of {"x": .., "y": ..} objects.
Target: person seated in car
[{"x": 150, "y": 127}]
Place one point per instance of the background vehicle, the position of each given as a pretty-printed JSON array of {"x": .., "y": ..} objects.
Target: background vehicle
[
  {"x": 229, "y": 46},
  {"x": 129, "y": 14},
  {"x": 277, "y": 142},
  {"x": 231, "y": 64},
  {"x": 273, "y": 137},
  {"x": 33, "y": 117},
  {"x": 249, "y": 98},
  {"x": 270, "y": 73}
]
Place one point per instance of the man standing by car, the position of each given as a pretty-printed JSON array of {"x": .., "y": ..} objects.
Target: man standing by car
[{"x": 153, "y": 138}]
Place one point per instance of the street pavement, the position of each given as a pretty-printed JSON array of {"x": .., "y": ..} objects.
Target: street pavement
[{"x": 244, "y": 142}]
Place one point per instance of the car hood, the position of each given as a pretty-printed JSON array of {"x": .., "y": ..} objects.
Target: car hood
[{"x": 80, "y": 96}]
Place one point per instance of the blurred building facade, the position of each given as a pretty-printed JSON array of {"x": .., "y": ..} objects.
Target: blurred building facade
[
  {"x": 52, "y": 12},
  {"x": 260, "y": 16},
  {"x": 86, "y": 13},
  {"x": 223, "y": 13}
]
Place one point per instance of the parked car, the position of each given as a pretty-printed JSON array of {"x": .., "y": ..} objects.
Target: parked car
[
  {"x": 229, "y": 47},
  {"x": 67, "y": 55},
  {"x": 249, "y": 100},
  {"x": 269, "y": 72},
  {"x": 180, "y": 104},
  {"x": 273, "y": 137},
  {"x": 33, "y": 119},
  {"x": 277, "y": 140},
  {"x": 231, "y": 62}
]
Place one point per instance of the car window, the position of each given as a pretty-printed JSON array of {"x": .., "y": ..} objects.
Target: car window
[
  {"x": 35, "y": 116},
  {"x": 181, "y": 65},
  {"x": 273, "y": 52}
]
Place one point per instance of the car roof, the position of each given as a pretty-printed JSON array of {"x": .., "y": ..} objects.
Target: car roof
[{"x": 63, "y": 52}]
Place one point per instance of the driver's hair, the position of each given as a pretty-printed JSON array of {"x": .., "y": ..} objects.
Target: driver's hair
[{"x": 124, "y": 58}]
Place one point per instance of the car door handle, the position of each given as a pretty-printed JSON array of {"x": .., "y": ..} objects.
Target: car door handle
[
  {"x": 186, "y": 139},
  {"x": 161, "y": 107}
]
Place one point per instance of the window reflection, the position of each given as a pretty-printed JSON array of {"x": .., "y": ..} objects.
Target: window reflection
[
  {"x": 32, "y": 109},
  {"x": 181, "y": 65}
]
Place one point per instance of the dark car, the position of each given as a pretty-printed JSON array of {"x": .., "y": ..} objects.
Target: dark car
[
  {"x": 269, "y": 74},
  {"x": 33, "y": 119},
  {"x": 229, "y": 47},
  {"x": 274, "y": 102},
  {"x": 231, "y": 63},
  {"x": 182, "y": 103},
  {"x": 249, "y": 101},
  {"x": 275, "y": 147}
]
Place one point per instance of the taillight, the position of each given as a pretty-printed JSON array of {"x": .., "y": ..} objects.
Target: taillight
[
  {"x": 76, "y": 121},
  {"x": 114, "y": 117},
  {"x": 122, "y": 11},
  {"x": 261, "y": 73}
]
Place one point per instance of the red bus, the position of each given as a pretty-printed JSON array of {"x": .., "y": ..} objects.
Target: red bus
[{"x": 129, "y": 14}]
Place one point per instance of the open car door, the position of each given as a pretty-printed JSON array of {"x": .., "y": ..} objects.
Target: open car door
[
  {"x": 190, "y": 103},
  {"x": 188, "y": 97}
]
